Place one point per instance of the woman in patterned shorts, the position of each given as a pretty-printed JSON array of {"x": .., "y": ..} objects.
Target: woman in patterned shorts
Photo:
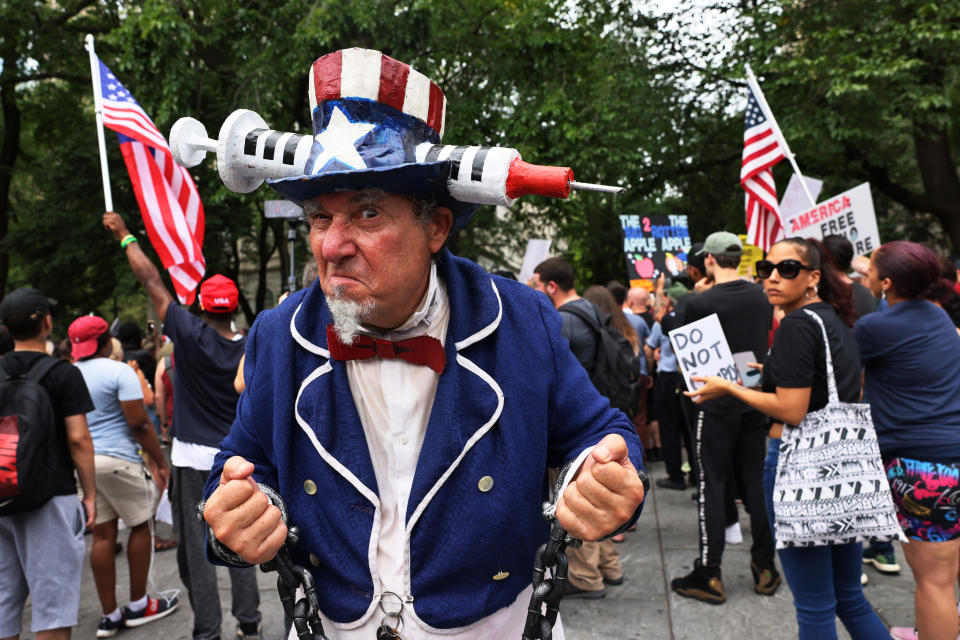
[{"x": 911, "y": 352}]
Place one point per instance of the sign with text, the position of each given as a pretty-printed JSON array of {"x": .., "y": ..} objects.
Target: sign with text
[
  {"x": 655, "y": 244},
  {"x": 748, "y": 259},
  {"x": 537, "y": 251},
  {"x": 702, "y": 350},
  {"x": 849, "y": 214}
]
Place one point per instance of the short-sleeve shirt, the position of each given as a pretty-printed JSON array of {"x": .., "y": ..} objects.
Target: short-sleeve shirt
[
  {"x": 111, "y": 383},
  {"x": 69, "y": 396},
  {"x": 659, "y": 339},
  {"x": 911, "y": 353},
  {"x": 745, "y": 316},
  {"x": 206, "y": 367},
  {"x": 798, "y": 359}
]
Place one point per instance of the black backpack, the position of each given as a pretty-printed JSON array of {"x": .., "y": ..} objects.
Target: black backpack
[
  {"x": 616, "y": 372},
  {"x": 27, "y": 433}
]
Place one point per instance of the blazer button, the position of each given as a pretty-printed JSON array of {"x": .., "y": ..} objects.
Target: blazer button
[
  {"x": 485, "y": 484},
  {"x": 309, "y": 486},
  {"x": 502, "y": 575}
]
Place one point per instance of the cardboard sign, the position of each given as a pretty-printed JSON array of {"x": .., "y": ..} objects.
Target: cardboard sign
[
  {"x": 748, "y": 259},
  {"x": 655, "y": 244},
  {"x": 849, "y": 214},
  {"x": 702, "y": 350},
  {"x": 537, "y": 251}
]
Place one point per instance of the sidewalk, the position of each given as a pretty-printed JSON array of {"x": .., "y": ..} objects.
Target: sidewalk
[{"x": 663, "y": 547}]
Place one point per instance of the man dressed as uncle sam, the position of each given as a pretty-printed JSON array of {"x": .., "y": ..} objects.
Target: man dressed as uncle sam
[{"x": 407, "y": 406}]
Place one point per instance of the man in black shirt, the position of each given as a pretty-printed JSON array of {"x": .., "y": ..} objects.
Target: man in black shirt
[
  {"x": 730, "y": 435},
  {"x": 42, "y": 547},
  {"x": 208, "y": 352}
]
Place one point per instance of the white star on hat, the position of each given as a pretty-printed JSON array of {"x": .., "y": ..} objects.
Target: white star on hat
[{"x": 339, "y": 141}]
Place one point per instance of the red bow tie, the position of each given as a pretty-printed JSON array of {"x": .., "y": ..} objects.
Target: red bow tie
[{"x": 420, "y": 350}]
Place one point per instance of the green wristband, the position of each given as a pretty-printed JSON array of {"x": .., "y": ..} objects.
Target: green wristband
[{"x": 127, "y": 239}]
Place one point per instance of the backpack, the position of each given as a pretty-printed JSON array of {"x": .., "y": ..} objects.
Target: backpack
[
  {"x": 28, "y": 430},
  {"x": 616, "y": 371}
]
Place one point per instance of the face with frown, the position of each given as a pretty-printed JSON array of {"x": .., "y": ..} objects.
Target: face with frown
[{"x": 373, "y": 251}]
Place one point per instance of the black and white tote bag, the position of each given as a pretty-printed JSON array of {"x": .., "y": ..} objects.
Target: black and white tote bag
[{"x": 831, "y": 487}]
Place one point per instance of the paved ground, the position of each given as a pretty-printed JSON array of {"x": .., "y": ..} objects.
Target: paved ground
[{"x": 663, "y": 546}]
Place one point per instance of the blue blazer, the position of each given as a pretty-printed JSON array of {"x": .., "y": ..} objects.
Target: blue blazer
[{"x": 511, "y": 402}]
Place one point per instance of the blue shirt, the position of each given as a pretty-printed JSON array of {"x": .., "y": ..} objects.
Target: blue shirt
[
  {"x": 206, "y": 362},
  {"x": 659, "y": 340},
  {"x": 911, "y": 353},
  {"x": 643, "y": 332},
  {"x": 110, "y": 383}
]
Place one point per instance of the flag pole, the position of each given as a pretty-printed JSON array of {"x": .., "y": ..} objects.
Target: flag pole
[
  {"x": 98, "y": 109},
  {"x": 755, "y": 87}
]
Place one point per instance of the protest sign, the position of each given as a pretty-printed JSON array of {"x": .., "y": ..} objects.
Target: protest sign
[
  {"x": 748, "y": 259},
  {"x": 795, "y": 199},
  {"x": 702, "y": 350},
  {"x": 537, "y": 251},
  {"x": 653, "y": 245},
  {"x": 849, "y": 214}
]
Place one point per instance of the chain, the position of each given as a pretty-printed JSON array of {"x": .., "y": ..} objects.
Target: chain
[
  {"x": 304, "y": 612},
  {"x": 549, "y": 591}
]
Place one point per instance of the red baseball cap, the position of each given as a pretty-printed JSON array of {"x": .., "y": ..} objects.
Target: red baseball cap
[
  {"x": 218, "y": 294},
  {"x": 83, "y": 333}
]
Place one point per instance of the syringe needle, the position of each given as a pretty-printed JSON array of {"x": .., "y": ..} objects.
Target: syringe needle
[{"x": 588, "y": 186}]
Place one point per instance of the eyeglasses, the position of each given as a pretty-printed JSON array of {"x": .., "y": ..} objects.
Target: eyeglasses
[{"x": 788, "y": 269}]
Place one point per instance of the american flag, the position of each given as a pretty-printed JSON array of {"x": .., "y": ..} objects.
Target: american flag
[
  {"x": 168, "y": 198},
  {"x": 761, "y": 150}
]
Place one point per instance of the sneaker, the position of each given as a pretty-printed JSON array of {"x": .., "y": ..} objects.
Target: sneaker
[
  {"x": 864, "y": 579},
  {"x": 700, "y": 586},
  {"x": 615, "y": 582},
  {"x": 882, "y": 562},
  {"x": 654, "y": 454},
  {"x": 573, "y": 591},
  {"x": 670, "y": 483},
  {"x": 732, "y": 534},
  {"x": 154, "y": 610},
  {"x": 903, "y": 633},
  {"x": 765, "y": 582},
  {"x": 108, "y": 628},
  {"x": 249, "y": 630},
  {"x": 685, "y": 467}
]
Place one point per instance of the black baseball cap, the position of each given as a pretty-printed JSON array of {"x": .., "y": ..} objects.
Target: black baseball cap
[{"x": 25, "y": 302}]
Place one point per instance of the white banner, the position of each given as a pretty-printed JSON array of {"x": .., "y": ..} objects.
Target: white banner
[
  {"x": 702, "y": 350},
  {"x": 849, "y": 214},
  {"x": 537, "y": 251},
  {"x": 795, "y": 199}
]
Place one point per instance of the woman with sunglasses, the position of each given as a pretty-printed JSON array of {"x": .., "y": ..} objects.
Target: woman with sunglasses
[
  {"x": 911, "y": 352},
  {"x": 825, "y": 580}
]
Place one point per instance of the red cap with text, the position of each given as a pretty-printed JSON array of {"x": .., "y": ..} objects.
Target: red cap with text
[{"x": 218, "y": 294}]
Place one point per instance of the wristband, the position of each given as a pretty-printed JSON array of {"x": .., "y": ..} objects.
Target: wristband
[{"x": 127, "y": 239}]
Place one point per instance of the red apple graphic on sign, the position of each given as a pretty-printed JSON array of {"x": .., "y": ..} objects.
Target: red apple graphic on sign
[{"x": 644, "y": 267}]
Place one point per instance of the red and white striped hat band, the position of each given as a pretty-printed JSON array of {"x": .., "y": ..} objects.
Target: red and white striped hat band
[{"x": 369, "y": 74}]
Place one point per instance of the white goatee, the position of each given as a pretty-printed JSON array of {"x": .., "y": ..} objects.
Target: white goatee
[{"x": 348, "y": 315}]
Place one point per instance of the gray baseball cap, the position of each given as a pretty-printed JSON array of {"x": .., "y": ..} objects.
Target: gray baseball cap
[{"x": 719, "y": 243}]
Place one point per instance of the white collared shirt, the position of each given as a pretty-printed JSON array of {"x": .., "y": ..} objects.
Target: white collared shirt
[{"x": 393, "y": 399}]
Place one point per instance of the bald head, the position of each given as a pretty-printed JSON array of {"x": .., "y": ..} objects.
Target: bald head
[{"x": 638, "y": 299}]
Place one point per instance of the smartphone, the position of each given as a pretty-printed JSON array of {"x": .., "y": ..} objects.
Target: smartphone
[{"x": 750, "y": 377}]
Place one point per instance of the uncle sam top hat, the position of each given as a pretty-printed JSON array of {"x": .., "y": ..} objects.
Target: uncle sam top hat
[{"x": 369, "y": 114}]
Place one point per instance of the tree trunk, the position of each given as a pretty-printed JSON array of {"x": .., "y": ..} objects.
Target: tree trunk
[
  {"x": 940, "y": 182},
  {"x": 9, "y": 149}
]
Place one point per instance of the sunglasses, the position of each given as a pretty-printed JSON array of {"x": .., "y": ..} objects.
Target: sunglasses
[{"x": 788, "y": 269}]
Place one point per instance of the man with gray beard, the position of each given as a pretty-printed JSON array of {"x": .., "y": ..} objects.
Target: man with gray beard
[{"x": 407, "y": 405}]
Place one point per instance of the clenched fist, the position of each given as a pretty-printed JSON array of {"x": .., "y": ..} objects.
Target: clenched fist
[
  {"x": 242, "y": 517},
  {"x": 604, "y": 493}
]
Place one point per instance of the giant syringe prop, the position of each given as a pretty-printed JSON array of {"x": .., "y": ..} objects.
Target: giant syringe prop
[{"x": 248, "y": 152}]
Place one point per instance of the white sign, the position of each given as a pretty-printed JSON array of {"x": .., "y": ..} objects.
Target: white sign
[
  {"x": 849, "y": 214},
  {"x": 795, "y": 199},
  {"x": 537, "y": 252},
  {"x": 702, "y": 350}
]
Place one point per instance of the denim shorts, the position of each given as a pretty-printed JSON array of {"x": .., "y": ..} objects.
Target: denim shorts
[{"x": 927, "y": 495}]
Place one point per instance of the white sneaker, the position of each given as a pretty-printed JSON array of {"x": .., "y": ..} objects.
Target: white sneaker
[
  {"x": 864, "y": 579},
  {"x": 733, "y": 535}
]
